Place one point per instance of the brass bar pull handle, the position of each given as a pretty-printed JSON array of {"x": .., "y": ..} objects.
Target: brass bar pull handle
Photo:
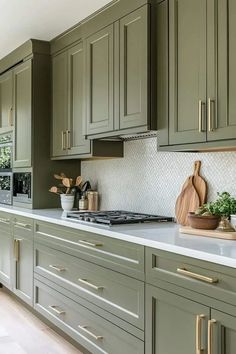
[
  {"x": 211, "y": 115},
  {"x": 200, "y": 107},
  {"x": 91, "y": 285},
  {"x": 5, "y": 221},
  {"x": 189, "y": 274},
  {"x": 10, "y": 120},
  {"x": 57, "y": 268},
  {"x": 84, "y": 328},
  {"x": 17, "y": 249},
  {"x": 56, "y": 309},
  {"x": 68, "y": 140},
  {"x": 199, "y": 319},
  {"x": 63, "y": 140},
  {"x": 21, "y": 224},
  {"x": 210, "y": 336},
  {"x": 88, "y": 243}
]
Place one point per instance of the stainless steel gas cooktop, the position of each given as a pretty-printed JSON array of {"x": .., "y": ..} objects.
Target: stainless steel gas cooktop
[{"x": 115, "y": 217}]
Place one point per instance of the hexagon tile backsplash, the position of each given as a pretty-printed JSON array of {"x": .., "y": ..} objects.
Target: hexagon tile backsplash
[{"x": 149, "y": 181}]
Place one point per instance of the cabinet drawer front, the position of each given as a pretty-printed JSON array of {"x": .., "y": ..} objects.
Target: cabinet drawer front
[
  {"x": 90, "y": 330},
  {"x": 116, "y": 293},
  {"x": 23, "y": 226},
  {"x": 5, "y": 222},
  {"x": 200, "y": 276},
  {"x": 117, "y": 255}
]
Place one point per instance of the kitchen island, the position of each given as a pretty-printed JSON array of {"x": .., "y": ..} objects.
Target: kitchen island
[{"x": 122, "y": 288}]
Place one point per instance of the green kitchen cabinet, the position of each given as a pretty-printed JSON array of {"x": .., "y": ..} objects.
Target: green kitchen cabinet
[
  {"x": 22, "y": 112},
  {"x": 187, "y": 70},
  {"x": 134, "y": 69},
  {"x": 6, "y": 100},
  {"x": 23, "y": 259},
  {"x": 174, "y": 324},
  {"x": 222, "y": 333},
  {"x": 6, "y": 249},
  {"x": 100, "y": 81}
]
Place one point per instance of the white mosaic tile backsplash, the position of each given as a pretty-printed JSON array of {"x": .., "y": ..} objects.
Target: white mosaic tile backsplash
[{"x": 149, "y": 181}]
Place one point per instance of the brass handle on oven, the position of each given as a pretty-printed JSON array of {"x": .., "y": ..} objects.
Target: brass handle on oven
[
  {"x": 187, "y": 273},
  {"x": 84, "y": 328},
  {"x": 89, "y": 243},
  {"x": 91, "y": 285},
  {"x": 17, "y": 249},
  {"x": 199, "y": 319},
  {"x": 211, "y": 323},
  {"x": 57, "y": 268},
  {"x": 56, "y": 309}
]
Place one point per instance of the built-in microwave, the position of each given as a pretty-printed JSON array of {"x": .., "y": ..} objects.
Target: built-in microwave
[{"x": 6, "y": 181}]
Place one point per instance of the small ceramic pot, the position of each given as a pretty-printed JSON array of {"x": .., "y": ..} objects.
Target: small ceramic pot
[
  {"x": 67, "y": 201},
  {"x": 203, "y": 222}
]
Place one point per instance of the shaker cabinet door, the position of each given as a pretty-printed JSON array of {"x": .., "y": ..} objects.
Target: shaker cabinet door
[
  {"x": 6, "y": 243},
  {"x": 22, "y": 94},
  {"x": 134, "y": 69},
  {"x": 221, "y": 70},
  {"x": 173, "y": 323},
  {"x": 59, "y": 104},
  {"x": 77, "y": 143},
  {"x": 222, "y": 333},
  {"x": 99, "y": 81},
  {"x": 187, "y": 75},
  {"x": 6, "y": 100}
]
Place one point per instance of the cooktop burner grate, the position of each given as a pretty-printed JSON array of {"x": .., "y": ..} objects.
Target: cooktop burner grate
[{"x": 115, "y": 217}]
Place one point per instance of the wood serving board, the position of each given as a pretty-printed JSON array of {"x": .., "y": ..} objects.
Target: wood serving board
[{"x": 208, "y": 233}]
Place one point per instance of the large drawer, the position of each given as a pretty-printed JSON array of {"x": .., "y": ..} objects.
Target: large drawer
[
  {"x": 207, "y": 278},
  {"x": 119, "y": 294},
  {"x": 90, "y": 330},
  {"x": 121, "y": 256}
]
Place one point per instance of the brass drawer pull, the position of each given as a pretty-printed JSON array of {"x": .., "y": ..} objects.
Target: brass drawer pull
[
  {"x": 84, "y": 328},
  {"x": 56, "y": 309},
  {"x": 5, "y": 221},
  {"x": 187, "y": 273},
  {"x": 211, "y": 323},
  {"x": 57, "y": 268},
  {"x": 86, "y": 282},
  {"x": 88, "y": 243},
  {"x": 21, "y": 224},
  {"x": 199, "y": 319}
]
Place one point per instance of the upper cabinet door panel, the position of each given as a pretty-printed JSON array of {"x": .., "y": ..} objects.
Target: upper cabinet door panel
[
  {"x": 59, "y": 103},
  {"x": 6, "y": 100},
  {"x": 134, "y": 69},
  {"x": 187, "y": 81},
  {"x": 77, "y": 143},
  {"x": 22, "y": 114},
  {"x": 99, "y": 81},
  {"x": 222, "y": 70}
]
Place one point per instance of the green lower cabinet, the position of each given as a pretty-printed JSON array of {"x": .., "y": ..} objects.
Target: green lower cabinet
[
  {"x": 173, "y": 323},
  {"x": 222, "y": 332}
]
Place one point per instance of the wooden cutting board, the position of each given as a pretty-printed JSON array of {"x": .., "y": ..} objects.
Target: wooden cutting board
[
  {"x": 187, "y": 201},
  {"x": 208, "y": 233}
]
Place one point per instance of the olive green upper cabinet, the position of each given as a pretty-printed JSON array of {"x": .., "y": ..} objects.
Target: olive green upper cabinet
[
  {"x": 221, "y": 70},
  {"x": 187, "y": 71},
  {"x": 22, "y": 112},
  {"x": 100, "y": 81},
  {"x": 6, "y": 100},
  {"x": 134, "y": 69}
]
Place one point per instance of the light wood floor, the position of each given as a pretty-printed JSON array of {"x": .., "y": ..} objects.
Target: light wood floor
[{"x": 23, "y": 333}]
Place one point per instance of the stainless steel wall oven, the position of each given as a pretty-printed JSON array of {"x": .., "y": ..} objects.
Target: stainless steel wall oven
[{"x": 6, "y": 179}]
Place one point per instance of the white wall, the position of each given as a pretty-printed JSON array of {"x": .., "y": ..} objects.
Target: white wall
[{"x": 149, "y": 181}]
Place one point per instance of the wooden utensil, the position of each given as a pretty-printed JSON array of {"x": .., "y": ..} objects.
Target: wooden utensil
[
  {"x": 208, "y": 233},
  {"x": 187, "y": 201}
]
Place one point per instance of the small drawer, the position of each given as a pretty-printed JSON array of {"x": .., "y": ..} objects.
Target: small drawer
[
  {"x": 5, "y": 222},
  {"x": 119, "y": 294},
  {"x": 22, "y": 225},
  {"x": 90, "y": 330},
  {"x": 121, "y": 256},
  {"x": 200, "y": 276}
]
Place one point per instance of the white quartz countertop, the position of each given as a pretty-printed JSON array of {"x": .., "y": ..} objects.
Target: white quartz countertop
[{"x": 162, "y": 236}]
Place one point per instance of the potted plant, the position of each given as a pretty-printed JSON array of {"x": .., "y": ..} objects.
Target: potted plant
[
  {"x": 209, "y": 215},
  {"x": 67, "y": 190}
]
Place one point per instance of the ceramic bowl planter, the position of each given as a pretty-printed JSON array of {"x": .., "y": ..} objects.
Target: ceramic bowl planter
[
  {"x": 209, "y": 222},
  {"x": 67, "y": 201}
]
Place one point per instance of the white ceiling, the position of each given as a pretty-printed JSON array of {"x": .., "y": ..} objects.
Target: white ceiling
[{"x": 21, "y": 20}]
